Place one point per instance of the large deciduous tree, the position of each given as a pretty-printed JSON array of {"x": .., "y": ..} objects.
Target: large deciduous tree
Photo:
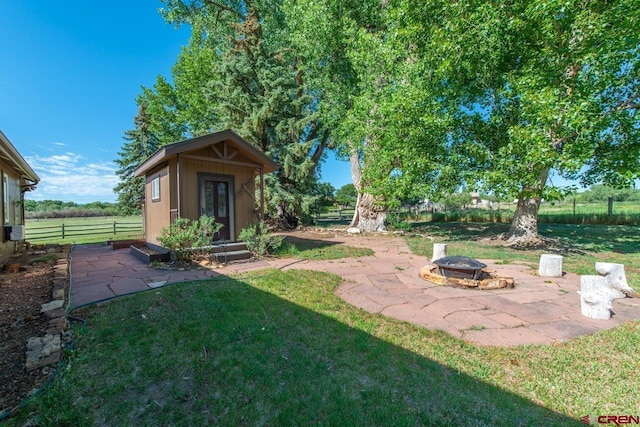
[
  {"x": 534, "y": 87},
  {"x": 339, "y": 41}
]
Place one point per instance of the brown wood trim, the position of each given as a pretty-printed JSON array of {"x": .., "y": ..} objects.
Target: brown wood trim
[
  {"x": 244, "y": 187},
  {"x": 227, "y": 162},
  {"x": 215, "y": 150},
  {"x": 261, "y": 193}
]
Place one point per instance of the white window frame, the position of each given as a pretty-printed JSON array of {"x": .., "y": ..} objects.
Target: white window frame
[
  {"x": 155, "y": 189},
  {"x": 5, "y": 199}
]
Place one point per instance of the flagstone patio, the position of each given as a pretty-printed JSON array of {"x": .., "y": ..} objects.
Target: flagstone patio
[{"x": 537, "y": 311}]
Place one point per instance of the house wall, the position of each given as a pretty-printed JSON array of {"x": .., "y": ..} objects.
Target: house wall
[
  {"x": 158, "y": 212},
  {"x": 244, "y": 204},
  {"x": 11, "y": 212}
]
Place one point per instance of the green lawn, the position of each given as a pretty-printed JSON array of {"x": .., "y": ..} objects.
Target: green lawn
[{"x": 280, "y": 348}]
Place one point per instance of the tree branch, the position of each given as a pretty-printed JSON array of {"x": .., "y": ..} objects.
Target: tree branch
[
  {"x": 322, "y": 144},
  {"x": 223, "y": 7},
  {"x": 628, "y": 104}
]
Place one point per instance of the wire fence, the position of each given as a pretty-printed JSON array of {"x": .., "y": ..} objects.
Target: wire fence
[{"x": 66, "y": 231}]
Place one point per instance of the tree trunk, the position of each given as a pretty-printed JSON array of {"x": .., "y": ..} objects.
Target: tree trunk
[
  {"x": 371, "y": 217},
  {"x": 356, "y": 175},
  {"x": 595, "y": 298},
  {"x": 355, "y": 217},
  {"x": 550, "y": 265},
  {"x": 524, "y": 227},
  {"x": 367, "y": 216}
]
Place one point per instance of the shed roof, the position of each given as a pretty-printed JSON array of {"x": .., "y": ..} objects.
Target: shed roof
[
  {"x": 9, "y": 154},
  {"x": 256, "y": 157}
]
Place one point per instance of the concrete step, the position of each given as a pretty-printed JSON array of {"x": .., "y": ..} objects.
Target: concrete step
[
  {"x": 233, "y": 255},
  {"x": 229, "y": 247}
]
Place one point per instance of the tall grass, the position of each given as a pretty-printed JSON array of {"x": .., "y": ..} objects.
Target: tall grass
[{"x": 590, "y": 218}]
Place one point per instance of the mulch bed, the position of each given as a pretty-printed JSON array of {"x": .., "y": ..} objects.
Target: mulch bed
[{"x": 21, "y": 297}]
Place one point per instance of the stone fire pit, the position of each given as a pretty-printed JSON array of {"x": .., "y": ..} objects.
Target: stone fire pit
[
  {"x": 464, "y": 272},
  {"x": 460, "y": 267}
]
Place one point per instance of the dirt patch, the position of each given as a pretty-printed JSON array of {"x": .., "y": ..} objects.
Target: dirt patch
[{"x": 22, "y": 294}]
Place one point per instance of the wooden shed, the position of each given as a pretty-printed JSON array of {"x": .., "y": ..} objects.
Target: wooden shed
[
  {"x": 17, "y": 178},
  {"x": 210, "y": 175}
]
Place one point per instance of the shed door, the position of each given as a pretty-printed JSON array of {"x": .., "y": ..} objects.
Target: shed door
[{"x": 214, "y": 201}]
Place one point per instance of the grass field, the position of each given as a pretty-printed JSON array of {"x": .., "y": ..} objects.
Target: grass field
[
  {"x": 82, "y": 230},
  {"x": 566, "y": 207},
  {"x": 280, "y": 348}
]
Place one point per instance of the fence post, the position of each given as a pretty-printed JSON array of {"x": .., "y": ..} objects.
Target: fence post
[
  {"x": 114, "y": 228},
  {"x": 63, "y": 230},
  {"x": 610, "y": 206}
]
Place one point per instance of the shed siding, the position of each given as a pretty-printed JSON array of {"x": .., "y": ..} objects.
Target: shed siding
[{"x": 158, "y": 212}]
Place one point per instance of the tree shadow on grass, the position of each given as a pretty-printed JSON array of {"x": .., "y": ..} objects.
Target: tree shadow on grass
[
  {"x": 460, "y": 231},
  {"x": 334, "y": 222},
  {"x": 223, "y": 351},
  {"x": 596, "y": 238},
  {"x": 567, "y": 238},
  {"x": 306, "y": 244}
]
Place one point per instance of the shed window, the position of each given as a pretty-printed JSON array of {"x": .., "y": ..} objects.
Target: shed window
[{"x": 155, "y": 189}]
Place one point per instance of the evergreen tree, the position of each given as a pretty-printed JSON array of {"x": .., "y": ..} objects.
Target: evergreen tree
[
  {"x": 234, "y": 75},
  {"x": 141, "y": 143},
  {"x": 262, "y": 97}
]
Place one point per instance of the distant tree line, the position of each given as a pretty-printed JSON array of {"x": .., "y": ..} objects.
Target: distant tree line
[
  {"x": 36, "y": 209},
  {"x": 601, "y": 193}
]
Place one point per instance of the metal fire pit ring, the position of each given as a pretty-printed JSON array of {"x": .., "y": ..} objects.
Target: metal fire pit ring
[{"x": 461, "y": 267}]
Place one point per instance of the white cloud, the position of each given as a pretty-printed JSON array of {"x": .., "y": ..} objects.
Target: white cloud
[
  {"x": 59, "y": 144},
  {"x": 68, "y": 177}
]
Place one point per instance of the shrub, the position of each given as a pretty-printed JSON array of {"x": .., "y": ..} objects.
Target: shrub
[
  {"x": 190, "y": 239},
  {"x": 398, "y": 221},
  {"x": 258, "y": 239}
]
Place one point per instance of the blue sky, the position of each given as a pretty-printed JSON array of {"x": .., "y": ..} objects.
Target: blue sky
[{"x": 69, "y": 77}]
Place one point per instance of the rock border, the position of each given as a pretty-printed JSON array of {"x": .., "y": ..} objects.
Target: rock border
[{"x": 47, "y": 350}]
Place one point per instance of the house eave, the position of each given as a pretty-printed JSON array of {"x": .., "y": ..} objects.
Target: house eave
[{"x": 10, "y": 154}]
